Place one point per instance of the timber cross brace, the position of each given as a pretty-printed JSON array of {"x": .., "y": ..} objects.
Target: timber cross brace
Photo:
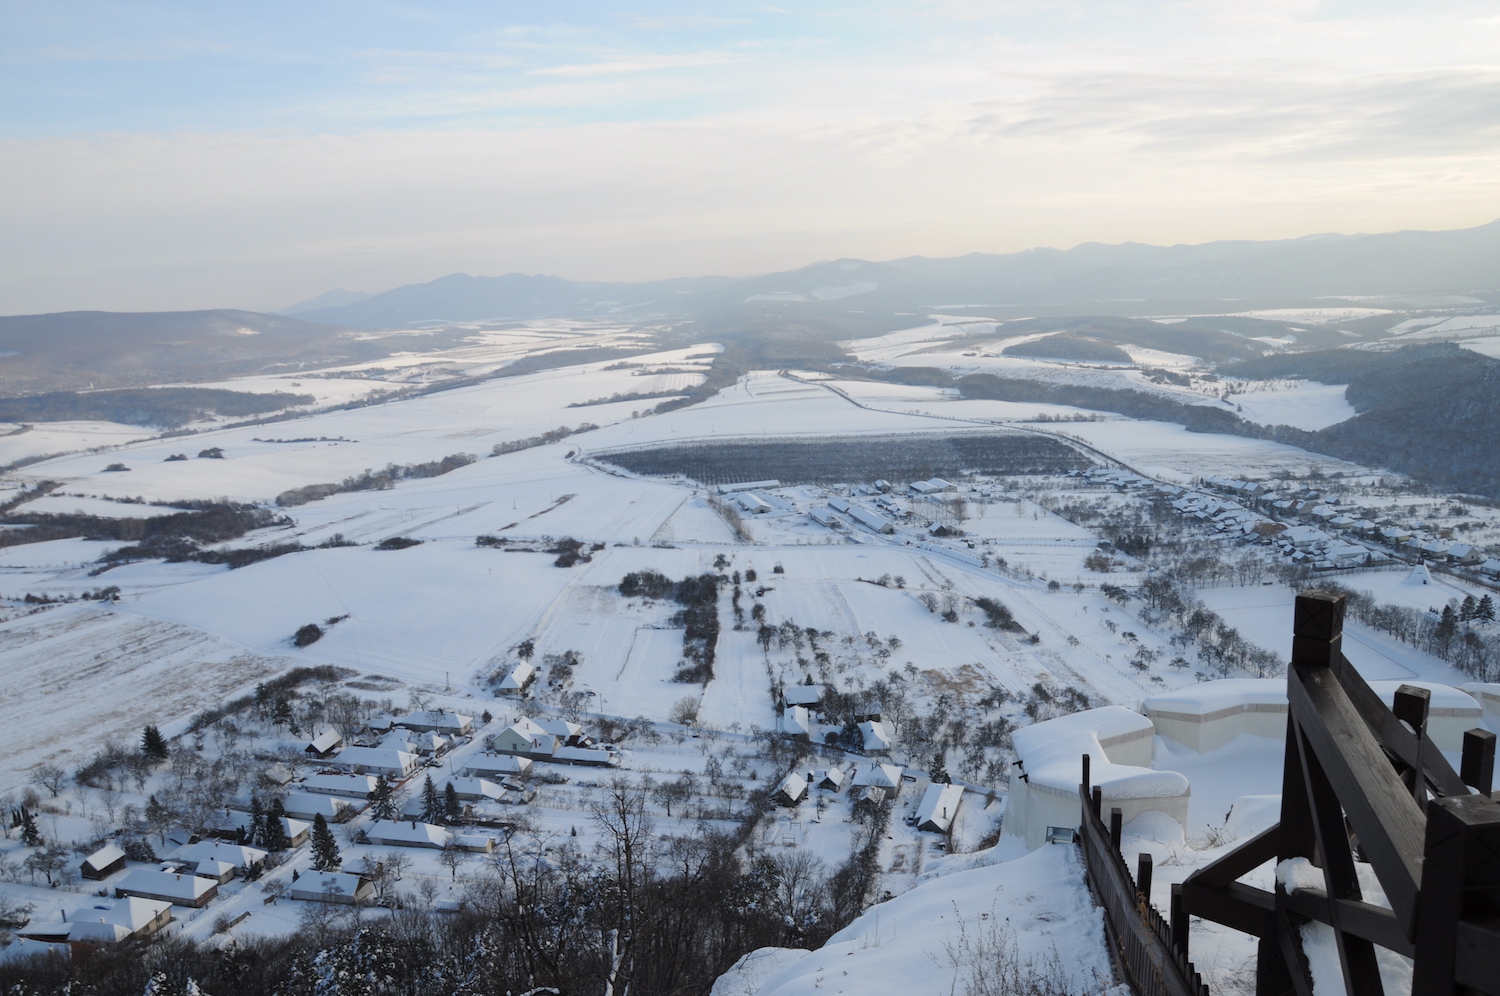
[{"x": 1364, "y": 783}]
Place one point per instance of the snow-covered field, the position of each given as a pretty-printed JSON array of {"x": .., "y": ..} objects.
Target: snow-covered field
[{"x": 443, "y": 615}]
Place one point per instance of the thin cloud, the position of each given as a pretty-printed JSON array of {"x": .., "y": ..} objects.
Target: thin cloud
[{"x": 645, "y": 64}]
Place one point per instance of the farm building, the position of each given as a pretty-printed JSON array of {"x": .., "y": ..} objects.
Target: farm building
[
  {"x": 331, "y": 887},
  {"x": 519, "y": 678},
  {"x": 102, "y": 863},
  {"x": 871, "y": 520},
  {"x": 311, "y": 805},
  {"x": 790, "y": 790},
  {"x": 428, "y": 720},
  {"x": 237, "y": 856},
  {"x": 881, "y": 776},
  {"x": 833, "y": 779},
  {"x": 396, "y": 764},
  {"x": 938, "y": 807},
  {"x": 333, "y": 783},
  {"x": 803, "y": 695},
  {"x": 400, "y": 833},
  {"x": 167, "y": 887},
  {"x": 231, "y": 825},
  {"x": 585, "y": 755},
  {"x": 324, "y": 745},
  {"x": 504, "y": 765},
  {"x": 123, "y": 920}
]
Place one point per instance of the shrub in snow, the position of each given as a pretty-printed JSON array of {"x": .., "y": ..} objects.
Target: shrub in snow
[{"x": 307, "y": 635}]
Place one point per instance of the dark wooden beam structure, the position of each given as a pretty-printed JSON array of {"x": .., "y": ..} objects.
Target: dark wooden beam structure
[{"x": 1363, "y": 784}]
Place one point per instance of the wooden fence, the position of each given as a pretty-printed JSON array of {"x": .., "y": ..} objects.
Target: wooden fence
[{"x": 1141, "y": 941}]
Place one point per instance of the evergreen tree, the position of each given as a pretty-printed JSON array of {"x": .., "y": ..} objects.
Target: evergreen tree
[
  {"x": 939, "y": 774},
  {"x": 275, "y": 830},
  {"x": 325, "y": 850},
  {"x": 30, "y": 835},
  {"x": 850, "y": 736},
  {"x": 1485, "y": 610},
  {"x": 255, "y": 833},
  {"x": 452, "y": 808},
  {"x": 1467, "y": 608},
  {"x": 382, "y": 800},
  {"x": 153, "y": 744},
  {"x": 432, "y": 804}
]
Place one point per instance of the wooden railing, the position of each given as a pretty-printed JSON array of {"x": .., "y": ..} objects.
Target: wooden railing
[{"x": 1141, "y": 941}]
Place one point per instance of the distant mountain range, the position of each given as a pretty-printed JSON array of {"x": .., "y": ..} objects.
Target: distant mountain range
[{"x": 1463, "y": 262}]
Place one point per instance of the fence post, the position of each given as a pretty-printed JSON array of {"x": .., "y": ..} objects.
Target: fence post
[
  {"x": 1116, "y": 819},
  {"x": 1096, "y": 796},
  {"x": 1086, "y": 774},
  {"x": 1179, "y": 923},
  {"x": 1477, "y": 768},
  {"x": 1143, "y": 877}
]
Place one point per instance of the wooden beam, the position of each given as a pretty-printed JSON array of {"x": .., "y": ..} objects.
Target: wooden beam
[
  {"x": 1375, "y": 924},
  {"x": 1460, "y": 881},
  {"x": 1478, "y": 955},
  {"x": 1410, "y": 750},
  {"x": 1479, "y": 760},
  {"x": 1383, "y": 814},
  {"x": 1237, "y": 906},
  {"x": 1245, "y": 858}
]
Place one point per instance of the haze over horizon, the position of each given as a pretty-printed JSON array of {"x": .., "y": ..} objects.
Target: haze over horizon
[{"x": 166, "y": 157}]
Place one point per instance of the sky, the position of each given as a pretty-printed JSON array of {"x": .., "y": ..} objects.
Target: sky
[{"x": 165, "y": 155}]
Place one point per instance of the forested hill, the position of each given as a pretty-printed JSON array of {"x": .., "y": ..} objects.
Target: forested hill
[{"x": 1430, "y": 411}]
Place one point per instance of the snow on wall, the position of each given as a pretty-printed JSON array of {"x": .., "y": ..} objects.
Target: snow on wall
[
  {"x": 1212, "y": 714},
  {"x": 1044, "y": 785}
]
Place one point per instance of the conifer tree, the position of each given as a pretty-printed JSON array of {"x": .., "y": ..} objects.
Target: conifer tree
[
  {"x": 275, "y": 833},
  {"x": 153, "y": 744},
  {"x": 432, "y": 805},
  {"x": 939, "y": 774},
  {"x": 325, "y": 850},
  {"x": 30, "y": 835},
  {"x": 452, "y": 808},
  {"x": 1467, "y": 608},
  {"x": 1485, "y": 610},
  {"x": 382, "y": 800},
  {"x": 255, "y": 833}
]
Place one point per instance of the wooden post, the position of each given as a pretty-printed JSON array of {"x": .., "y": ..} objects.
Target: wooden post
[
  {"x": 1096, "y": 796},
  {"x": 1411, "y": 705},
  {"x": 1460, "y": 881},
  {"x": 1478, "y": 764},
  {"x": 1116, "y": 821},
  {"x": 1086, "y": 774},
  {"x": 1179, "y": 923},
  {"x": 1143, "y": 877}
]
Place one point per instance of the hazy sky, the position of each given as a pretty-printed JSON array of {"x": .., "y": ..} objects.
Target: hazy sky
[{"x": 182, "y": 155}]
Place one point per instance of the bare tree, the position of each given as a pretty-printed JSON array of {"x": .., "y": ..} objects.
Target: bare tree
[{"x": 49, "y": 777}]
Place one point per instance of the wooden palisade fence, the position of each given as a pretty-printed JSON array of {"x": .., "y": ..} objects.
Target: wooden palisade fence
[
  {"x": 1140, "y": 940},
  {"x": 1364, "y": 784}
]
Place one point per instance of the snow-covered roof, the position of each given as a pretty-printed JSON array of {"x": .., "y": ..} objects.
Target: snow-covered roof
[
  {"x": 879, "y": 775},
  {"x": 398, "y": 831},
  {"x": 1049, "y": 754},
  {"x": 509, "y": 764},
  {"x": 793, "y": 786},
  {"x": 325, "y": 741},
  {"x": 316, "y": 883},
  {"x": 189, "y": 888},
  {"x": 313, "y": 804},
  {"x": 559, "y": 727},
  {"x": 519, "y": 675},
  {"x": 130, "y": 913},
  {"x": 1419, "y": 575},
  {"x": 336, "y": 783},
  {"x": 938, "y": 806},
  {"x": 794, "y": 720},
  {"x": 236, "y": 855},
  {"x": 877, "y": 735},
  {"x": 379, "y": 758},
  {"x": 104, "y": 857},
  {"x": 1445, "y": 701},
  {"x": 1223, "y": 696},
  {"x": 803, "y": 695}
]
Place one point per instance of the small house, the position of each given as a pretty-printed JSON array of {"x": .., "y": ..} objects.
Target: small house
[
  {"x": 795, "y": 722},
  {"x": 938, "y": 807},
  {"x": 123, "y": 920},
  {"x": 102, "y": 863},
  {"x": 567, "y": 734},
  {"x": 332, "y": 887},
  {"x": 503, "y": 765},
  {"x": 215, "y": 871},
  {"x": 585, "y": 755},
  {"x": 790, "y": 790},
  {"x": 877, "y": 737},
  {"x": 324, "y": 745},
  {"x": 333, "y": 783},
  {"x": 397, "y": 764},
  {"x": 832, "y": 779},
  {"x": 401, "y": 833},
  {"x": 1490, "y": 567},
  {"x": 803, "y": 695},
  {"x": 237, "y": 856},
  {"x": 428, "y": 720},
  {"x": 232, "y": 825},
  {"x": 167, "y": 887},
  {"x": 883, "y": 776},
  {"x": 518, "y": 680},
  {"x": 1464, "y": 553},
  {"x": 526, "y": 738},
  {"x": 477, "y": 789},
  {"x": 311, "y": 805}
]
